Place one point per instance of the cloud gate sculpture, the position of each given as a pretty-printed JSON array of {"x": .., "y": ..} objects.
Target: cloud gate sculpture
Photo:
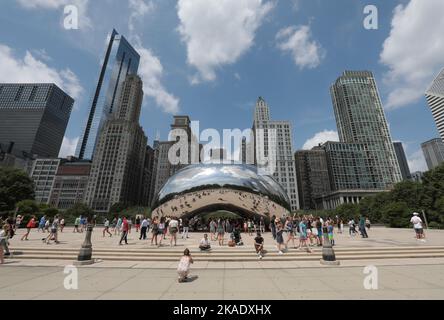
[{"x": 211, "y": 187}]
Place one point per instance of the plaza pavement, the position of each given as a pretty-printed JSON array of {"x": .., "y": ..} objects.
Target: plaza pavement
[
  {"x": 419, "y": 278},
  {"x": 345, "y": 283}
]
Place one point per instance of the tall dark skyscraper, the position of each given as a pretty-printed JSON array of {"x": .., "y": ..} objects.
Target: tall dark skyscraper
[
  {"x": 312, "y": 176},
  {"x": 33, "y": 119},
  {"x": 402, "y": 160},
  {"x": 121, "y": 59}
]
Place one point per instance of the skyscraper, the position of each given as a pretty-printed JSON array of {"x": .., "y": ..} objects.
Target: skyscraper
[
  {"x": 43, "y": 173},
  {"x": 70, "y": 184},
  {"x": 402, "y": 160},
  {"x": 360, "y": 118},
  {"x": 433, "y": 152},
  {"x": 273, "y": 143},
  {"x": 121, "y": 59},
  {"x": 119, "y": 160},
  {"x": 312, "y": 176},
  {"x": 435, "y": 99},
  {"x": 33, "y": 119}
]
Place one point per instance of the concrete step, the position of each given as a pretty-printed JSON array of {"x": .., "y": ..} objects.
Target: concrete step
[
  {"x": 221, "y": 256},
  {"x": 238, "y": 250},
  {"x": 314, "y": 257},
  {"x": 213, "y": 254}
]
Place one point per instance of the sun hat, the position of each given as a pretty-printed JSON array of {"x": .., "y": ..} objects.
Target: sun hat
[{"x": 415, "y": 213}]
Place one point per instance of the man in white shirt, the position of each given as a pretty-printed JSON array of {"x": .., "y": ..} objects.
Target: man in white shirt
[
  {"x": 143, "y": 229},
  {"x": 417, "y": 226},
  {"x": 205, "y": 243}
]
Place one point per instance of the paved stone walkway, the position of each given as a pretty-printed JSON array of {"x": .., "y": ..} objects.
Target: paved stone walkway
[
  {"x": 394, "y": 282},
  {"x": 378, "y": 237}
]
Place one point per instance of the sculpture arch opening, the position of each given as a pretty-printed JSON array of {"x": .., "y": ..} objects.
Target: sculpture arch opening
[{"x": 231, "y": 187}]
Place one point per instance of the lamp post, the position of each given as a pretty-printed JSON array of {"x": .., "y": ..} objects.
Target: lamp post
[
  {"x": 328, "y": 254},
  {"x": 85, "y": 254}
]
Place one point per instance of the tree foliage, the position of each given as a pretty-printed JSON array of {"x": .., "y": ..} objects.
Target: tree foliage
[
  {"x": 395, "y": 208},
  {"x": 15, "y": 186}
]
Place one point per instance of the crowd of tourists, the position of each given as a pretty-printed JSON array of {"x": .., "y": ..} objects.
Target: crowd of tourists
[{"x": 299, "y": 232}]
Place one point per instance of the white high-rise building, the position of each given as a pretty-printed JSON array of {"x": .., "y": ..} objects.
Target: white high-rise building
[
  {"x": 433, "y": 152},
  {"x": 273, "y": 142},
  {"x": 435, "y": 99}
]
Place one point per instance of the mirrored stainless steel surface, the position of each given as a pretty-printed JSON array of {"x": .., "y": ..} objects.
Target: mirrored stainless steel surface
[{"x": 205, "y": 187}]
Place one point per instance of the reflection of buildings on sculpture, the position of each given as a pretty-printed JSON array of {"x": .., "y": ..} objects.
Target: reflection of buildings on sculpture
[{"x": 236, "y": 188}]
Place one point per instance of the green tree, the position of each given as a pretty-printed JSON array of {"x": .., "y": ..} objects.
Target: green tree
[
  {"x": 15, "y": 186},
  {"x": 50, "y": 212},
  {"x": 397, "y": 214},
  {"x": 347, "y": 211},
  {"x": 80, "y": 209},
  {"x": 27, "y": 207},
  {"x": 117, "y": 208}
]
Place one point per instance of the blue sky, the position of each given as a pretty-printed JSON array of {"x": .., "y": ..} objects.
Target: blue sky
[{"x": 211, "y": 59}]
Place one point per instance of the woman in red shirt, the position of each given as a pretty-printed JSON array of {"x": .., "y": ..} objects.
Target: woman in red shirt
[{"x": 29, "y": 226}]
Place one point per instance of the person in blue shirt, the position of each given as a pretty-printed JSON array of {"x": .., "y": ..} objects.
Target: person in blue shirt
[{"x": 42, "y": 224}]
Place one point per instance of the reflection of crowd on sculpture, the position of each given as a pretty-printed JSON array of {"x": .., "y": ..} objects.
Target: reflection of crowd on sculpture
[{"x": 190, "y": 202}]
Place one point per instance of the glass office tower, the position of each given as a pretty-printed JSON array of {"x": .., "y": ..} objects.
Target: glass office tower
[
  {"x": 121, "y": 59},
  {"x": 360, "y": 118}
]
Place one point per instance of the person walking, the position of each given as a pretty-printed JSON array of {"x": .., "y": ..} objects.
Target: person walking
[
  {"x": 173, "y": 227},
  {"x": 362, "y": 227},
  {"x": 118, "y": 226},
  {"x": 303, "y": 235},
  {"x": 42, "y": 224},
  {"x": 161, "y": 230},
  {"x": 137, "y": 223},
  {"x": 4, "y": 250},
  {"x": 125, "y": 228},
  {"x": 62, "y": 224},
  {"x": 183, "y": 269},
  {"x": 280, "y": 237},
  {"x": 154, "y": 230},
  {"x": 185, "y": 228},
  {"x": 351, "y": 228},
  {"x": 220, "y": 233},
  {"x": 143, "y": 229},
  {"x": 262, "y": 225},
  {"x": 290, "y": 231},
  {"x": 273, "y": 227},
  {"x": 417, "y": 226},
  {"x": 29, "y": 226},
  {"x": 330, "y": 230},
  {"x": 76, "y": 225},
  {"x": 213, "y": 227},
  {"x": 106, "y": 228},
  {"x": 18, "y": 222},
  {"x": 53, "y": 233}
]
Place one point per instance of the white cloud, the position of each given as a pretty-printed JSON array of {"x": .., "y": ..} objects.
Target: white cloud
[
  {"x": 150, "y": 68},
  {"x": 306, "y": 52},
  {"x": 29, "y": 69},
  {"x": 82, "y": 6},
  {"x": 414, "y": 50},
  {"x": 138, "y": 9},
  {"x": 218, "y": 32},
  {"x": 68, "y": 147},
  {"x": 151, "y": 71},
  {"x": 417, "y": 161},
  {"x": 319, "y": 138}
]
